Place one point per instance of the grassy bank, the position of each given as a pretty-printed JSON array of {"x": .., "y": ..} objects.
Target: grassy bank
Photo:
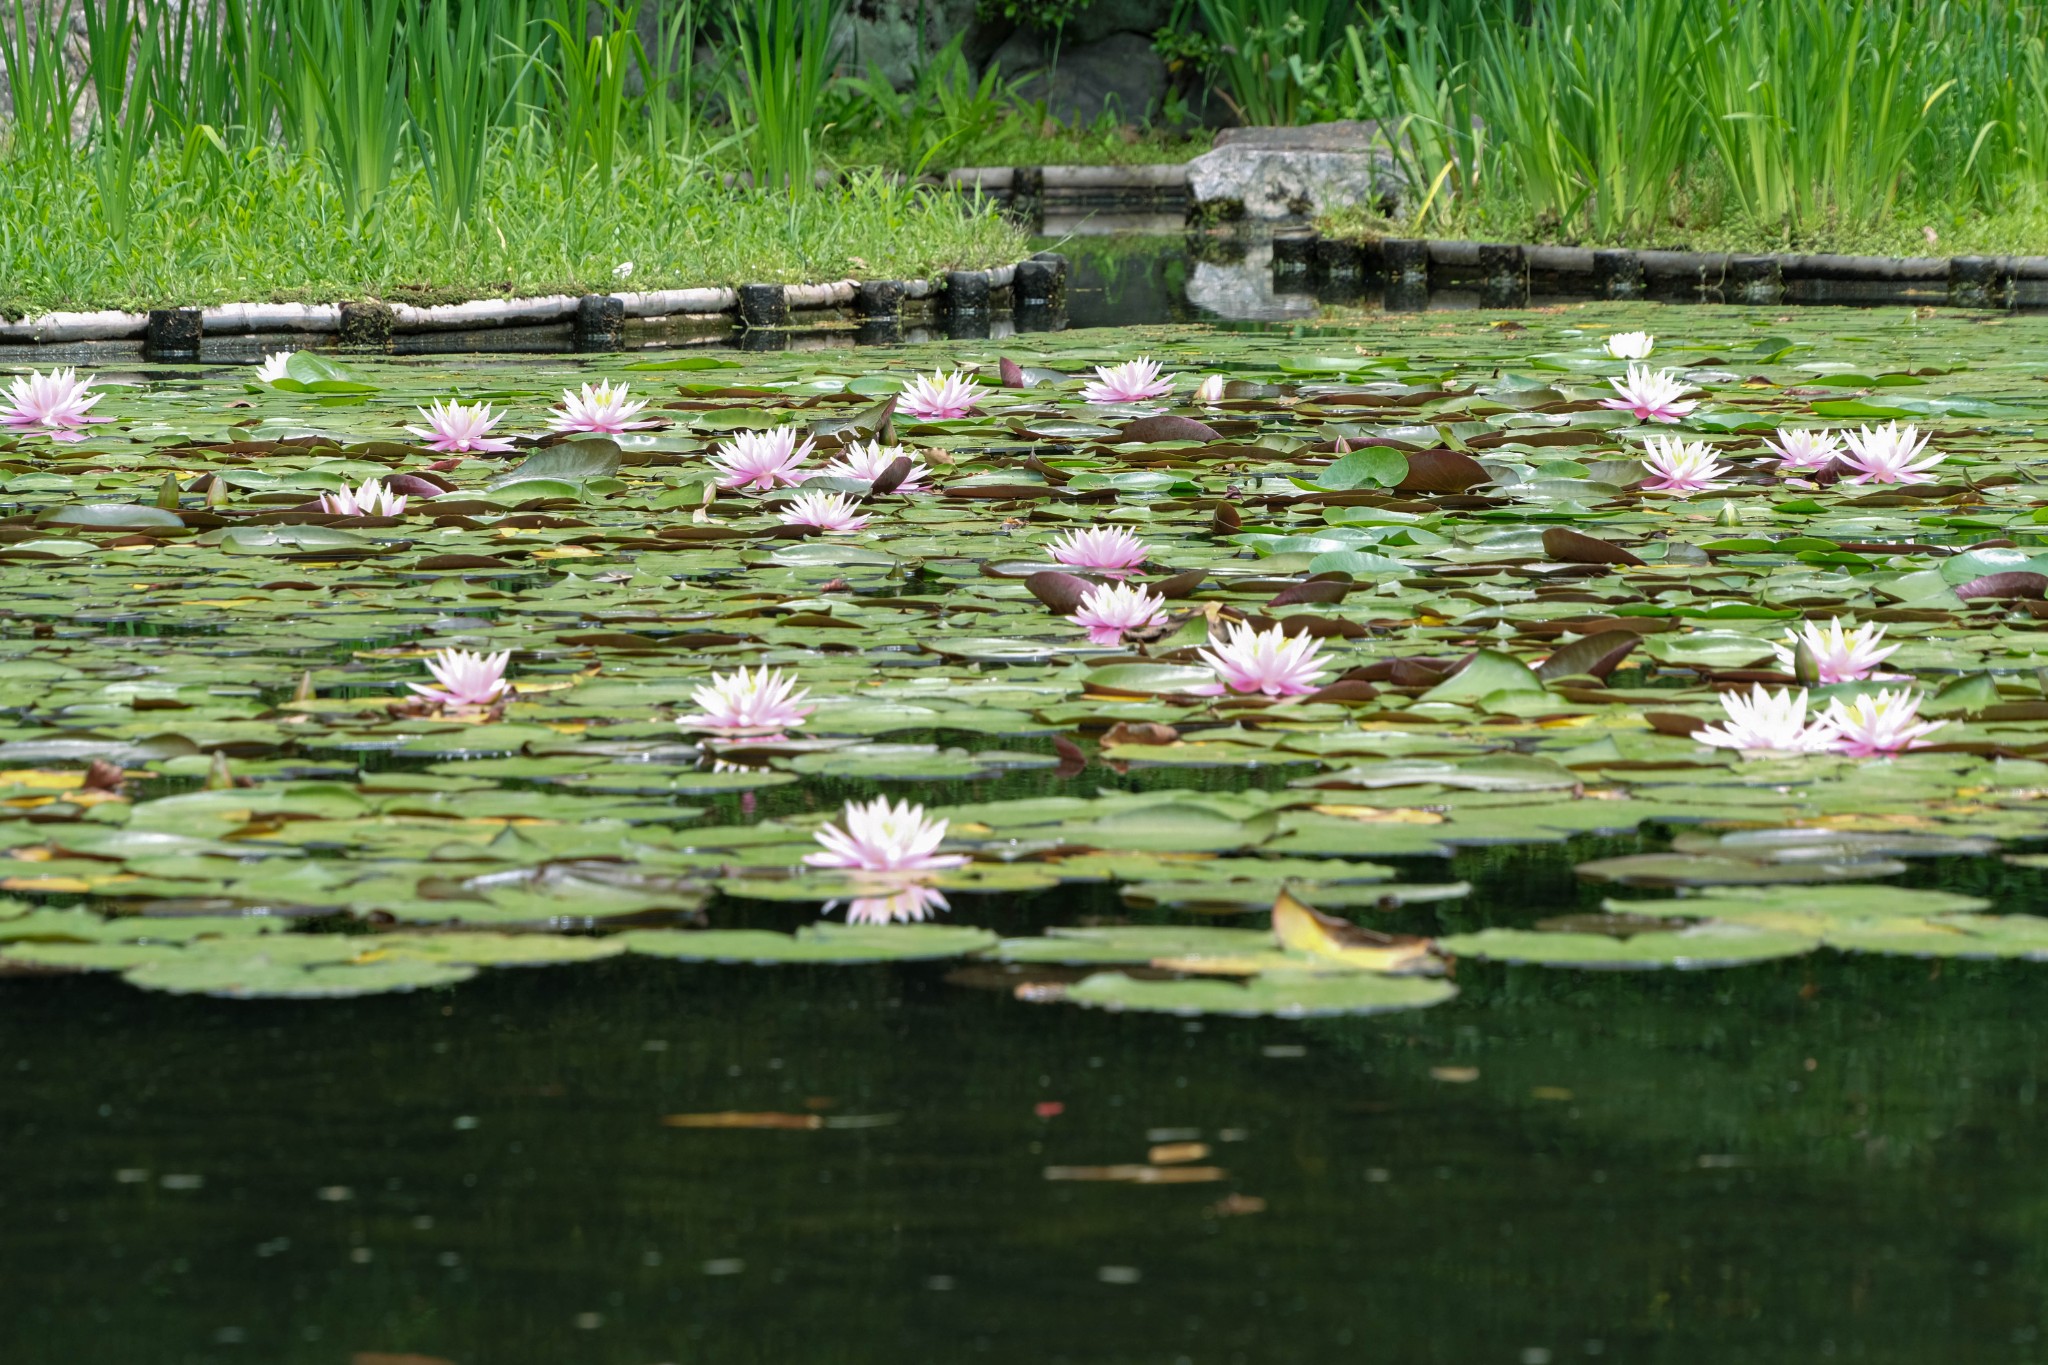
[
  {"x": 1921, "y": 230},
  {"x": 268, "y": 227}
]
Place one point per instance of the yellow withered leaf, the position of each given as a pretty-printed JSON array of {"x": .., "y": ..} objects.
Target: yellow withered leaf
[{"x": 1301, "y": 928}]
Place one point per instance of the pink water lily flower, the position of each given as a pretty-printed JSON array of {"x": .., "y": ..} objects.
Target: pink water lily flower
[
  {"x": 466, "y": 678},
  {"x": 460, "y": 427},
  {"x": 55, "y": 403},
  {"x": 867, "y": 461},
  {"x": 1268, "y": 661},
  {"x": 373, "y": 499},
  {"x": 1804, "y": 449},
  {"x": 1106, "y": 549},
  {"x": 1210, "y": 391},
  {"x": 1111, "y": 611},
  {"x": 1880, "y": 726},
  {"x": 1839, "y": 655},
  {"x": 875, "y": 836},
  {"x": 939, "y": 395},
  {"x": 1134, "y": 381},
  {"x": 601, "y": 409},
  {"x": 904, "y": 905},
  {"x": 1889, "y": 454},
  {"x": 1676, "y": 466},
  {"x": 762, "y": 459},
  {"x": 763, "y": 701},
  {"x": 826, "y": 511},
  {"x": 1768, "y": 721},
  {"x": 1651, "y": 396}
]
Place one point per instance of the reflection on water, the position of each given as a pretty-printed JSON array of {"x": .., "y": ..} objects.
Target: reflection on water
[{"x": 1818, "y": 1158}]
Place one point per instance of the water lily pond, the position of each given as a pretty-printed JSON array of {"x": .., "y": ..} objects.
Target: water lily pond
[{"x": 1475, "y": 872}]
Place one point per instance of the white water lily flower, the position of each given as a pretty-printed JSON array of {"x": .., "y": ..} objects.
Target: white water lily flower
[
  {"x": 1804, "y": 449},
  {"x": 1880, "y": 726},
  {"x": 1768, "y": 721},
  {"x": 875, "y": 836},
  {"x": 1677, "y": 466},
  {"x": 373, "y": 499},
  {"x": 759, "y": 700},
  {"x": 466, "y": 678},
  {"x": 1839, "y": 655},
  {"x": 1650, "y": 395},
  {"x": 1630, "y": 345},
  {"x": 273, "y": 366}
]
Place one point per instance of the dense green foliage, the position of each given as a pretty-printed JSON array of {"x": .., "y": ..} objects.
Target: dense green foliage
[
  {"x": 450, "y": 149},
  {"x": 1658, "y": 120}
]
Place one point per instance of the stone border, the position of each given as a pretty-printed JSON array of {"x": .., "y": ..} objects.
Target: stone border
[
  {"x": 1507, "y": 274},
  {"x": 1038, "y": 282},
  {"x": 1029, "y": 191}
]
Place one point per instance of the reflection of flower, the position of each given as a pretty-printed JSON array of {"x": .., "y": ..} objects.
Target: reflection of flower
[
  {"x": 765, "y": 699},
  {"x": 1099, "y": 547},
  {"x": 1134, "y": 381},
  {"x": 1630, "y": 345},
  {"x": 1774, "y": 720},
  {"x": 599, "y": 408},
  {"x": 1889, "y": 454},
  {"x": 454, "y": 426},
  {"x": 273, "y": 367},
  {"x": 939, "y": 395},
  {"x": 825, "y": 511},
  {"x": 868, "y": 461},
  {"x": 1651, "y": 396},
  {"x": 1210, "y": 391},
  {"x": 1879, "y": 726},
  {"x": 55, "y": 402},
  {"x": 466, "y": 678},
  {"x": 903, "y": 905},
  {"x": 1839, "y": 656},
  {"x": 1800, "y": 449},
  {"x": 762, "y": 459},
  {"x": 1268, "y": 661},
  {"x": 373, "y": 499},
  {"x": 1115, "y": 608},
  {"x": 1677, "y": 466},
  {"x": 875, "y": 836}
]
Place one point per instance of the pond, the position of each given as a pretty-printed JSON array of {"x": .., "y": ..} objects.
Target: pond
[{"x": 1459, "y": 996}]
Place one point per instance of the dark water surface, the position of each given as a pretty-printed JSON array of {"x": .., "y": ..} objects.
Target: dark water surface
[{"x": 1820, "y": 1158}]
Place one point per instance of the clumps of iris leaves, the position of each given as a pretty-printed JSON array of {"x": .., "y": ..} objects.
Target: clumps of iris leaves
[{"x": 322, "y": 680}]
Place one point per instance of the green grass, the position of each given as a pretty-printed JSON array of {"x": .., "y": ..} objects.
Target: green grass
[
  {"x": 262, "y": 226},
  {"x": 1706, "y": 224}
]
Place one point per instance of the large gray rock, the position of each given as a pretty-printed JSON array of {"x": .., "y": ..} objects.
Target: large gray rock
[
  {"x": 1120, "y": 74},
  {"x": 1297, "y": 172},
  {"x": 1105, "y": 17},
  {"x": 885, "y": 34}
]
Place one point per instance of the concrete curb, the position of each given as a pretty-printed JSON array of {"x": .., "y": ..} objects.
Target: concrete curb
[{"x": 243, "y": 319}]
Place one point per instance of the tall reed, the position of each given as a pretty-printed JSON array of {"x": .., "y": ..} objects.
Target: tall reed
[{"x": 784, "y": 51}]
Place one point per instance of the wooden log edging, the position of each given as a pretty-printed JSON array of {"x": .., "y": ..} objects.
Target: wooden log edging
[
  {"x": 1733, "y": 277},
  {"x": 701, "y": 304}
]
